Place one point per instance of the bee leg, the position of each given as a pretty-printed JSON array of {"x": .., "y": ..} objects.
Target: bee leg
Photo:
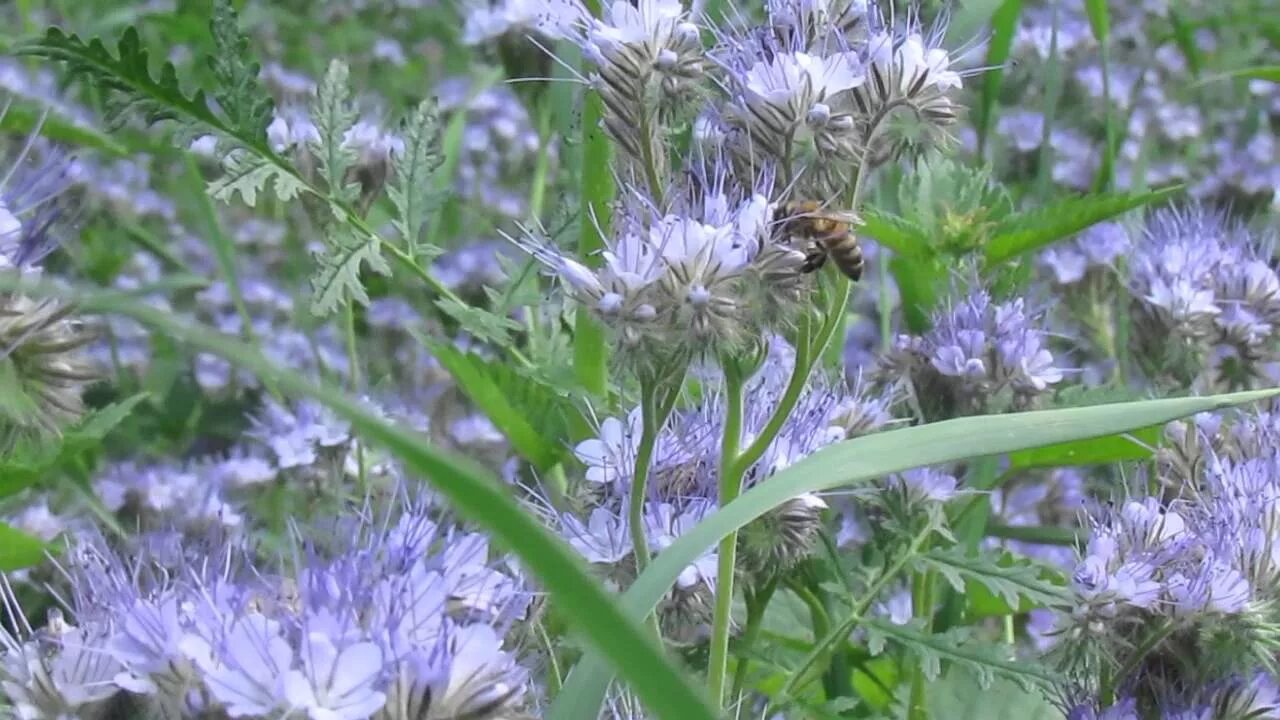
[{"x": 814, "y": 258}]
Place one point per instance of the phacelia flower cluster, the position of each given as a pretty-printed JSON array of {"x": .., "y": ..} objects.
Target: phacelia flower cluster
[
  {"x": 980, "y": 356},
  {"x": 387, "y": 616}
]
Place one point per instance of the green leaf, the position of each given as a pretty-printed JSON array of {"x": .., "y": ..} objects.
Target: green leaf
[
  {"x": 904, "y": 237},
  {"x": 247, "y": 173},
  {"x": 337, "y": 277},
  {"x": 1136, "y": 445},
  {"x": 1004, "y": 23},
  {"x": 956, "y": 695},
  {"x": 239, "y": 92},
  {"x": 478, "y": 322},
  {"x": 1033, "y": 230},
  {"x": 95, "y": 426},
  {"x": 22, "y": 118},
  {"x": 863, "y": 459},
  {"x": 590, "y": 351},
  {"x": 519, "y": 407},
  {"x": 16, "y": 404},
  {"x": 27, "y": 464},
  {"x": 918, "y": 283},
  {"x": 413, "y": 190},
  {"x": 334, "y": 114},
  {"x": 1099, "y": 20},
  {"x": 125, "y": 78},
  {"x": 985, "y": 660},
  {"x": 628, "y": 647},
  {"x": 1270, "y": 73},
  {"x": 1018, "y": 583},
  {"x": 19, "y": 550}
]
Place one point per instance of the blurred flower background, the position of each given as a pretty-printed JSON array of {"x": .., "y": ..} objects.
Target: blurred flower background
[{"x": 545, "y": 237}]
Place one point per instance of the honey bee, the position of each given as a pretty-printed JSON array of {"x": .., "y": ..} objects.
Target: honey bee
[{"x": 828, "y": 232}]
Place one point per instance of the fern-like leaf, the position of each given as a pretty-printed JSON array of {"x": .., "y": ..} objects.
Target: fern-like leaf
[
  {"x": 1013, "y": 582},
  {"x": 247, "y": 174},
  {"x": 126, "y": 78},
  {"x": 479, "y": 323},
  {"x": 337, "y": 277},
  {"x": 415, "y": 171},
  {"x": 334, "y": 114},
  {"x": 931, "y": 650},
  {"x": 239, "y": 93}
]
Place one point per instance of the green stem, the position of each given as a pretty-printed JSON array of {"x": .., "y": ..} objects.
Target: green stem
[
  {"x": 757, "y": 602},
  {"x": 1157, "y": 636},
  {"x": 823, "y": 646},
  {"x": 799, "y": 376},
  {"x": 731, "y": 474},
  {"x": 922, "y": 607}
]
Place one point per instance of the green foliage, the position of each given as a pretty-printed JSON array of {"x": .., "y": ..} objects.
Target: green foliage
[
  {"x": 1137, "y": 445},
  {"x": 862, "y": 459},
  {"x": 21, "y": 118},
  {"x": 1004, "y": 23},
  {"x": 125, "y": 78},
  {"x": 412, "y": 191},
  {"x": 35, "y": 460},
  {"x": 337, "y": 277},
  {"x": 334, "y": 114},
  {"x": 238, "y": 91},
  {"x": 1020, "y": 584},
  {"x": 532, "y": 416},
  {"x": 19, "y": 550},
  {"x": 478, "y": 322},
  {"x": 955, "y": 695},
  {"x": 957, "y": 648},
  {"x": 1035, "y": 229},
  {"x": 248, "y": 174}
]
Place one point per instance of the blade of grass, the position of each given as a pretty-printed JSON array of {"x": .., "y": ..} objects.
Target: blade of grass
[
  {"x": 1003, "y": 25},
  {"x": 861, "y": 460},
  {"x": 590, "y": 355}
]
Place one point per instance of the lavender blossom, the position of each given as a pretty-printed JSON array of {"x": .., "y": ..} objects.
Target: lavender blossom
[
  {"x": 363, "y": 625},
  {"x": 42, "y": 343},
  {"x": 980, "y": 356}
]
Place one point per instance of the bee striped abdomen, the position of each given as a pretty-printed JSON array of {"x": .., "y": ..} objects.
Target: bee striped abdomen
[{"x": 846, "y": 253}]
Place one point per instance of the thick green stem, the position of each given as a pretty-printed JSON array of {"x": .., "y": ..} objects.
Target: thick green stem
[
  {"x": 731, "y": 474},
  {"x": 657, "y": 399}
]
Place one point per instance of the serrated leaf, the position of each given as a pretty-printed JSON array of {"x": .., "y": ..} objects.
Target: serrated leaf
[
  {"x": 125, "y": 77},
  {"x": 239, "y": 92},
  {"x": 337, "y": 276},
  {"x": 478, "y": 322},
  {"x": 1025, "y": 232},
  {"x": 413, "y": 191},
  {"x": 477, "y": 380},
  {"x": 242, "y": 173},
  {"x": 19, "y": 550},
  {"x": 1014, "y": 581},
  {"x": 334, "y": 114},
  {"x": 985, "y": 660},
  {"x": 902, "y": 236},
  {"x": 98, "y": 423}
]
